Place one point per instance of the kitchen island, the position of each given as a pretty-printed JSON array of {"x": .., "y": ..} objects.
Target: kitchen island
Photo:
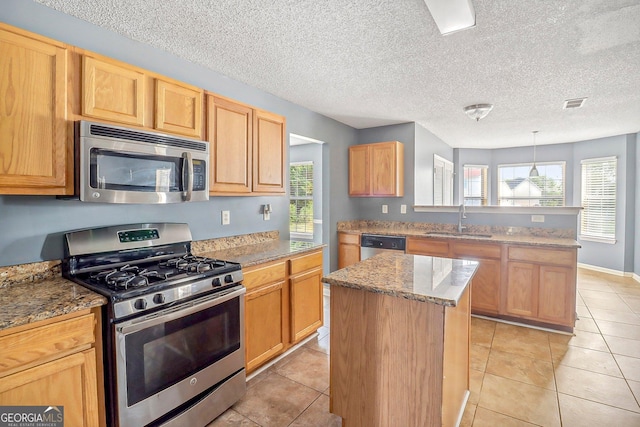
[{"x": 400, "y": 340}]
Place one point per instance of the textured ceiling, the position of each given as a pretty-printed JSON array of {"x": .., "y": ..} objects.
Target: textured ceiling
[{"x": 376, "y": 62}]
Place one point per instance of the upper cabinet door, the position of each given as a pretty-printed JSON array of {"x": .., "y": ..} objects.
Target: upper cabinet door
[
  {"x": 178, "y": 109},
  {"x": 268, "y": 152},
  {"x": 387, "y": 172},
  {"x": 33, "y": 128},
  {"x": 112, "y": 92},
  {"x": 359, "y": 170},
  {"x": 230, "y": 131}
]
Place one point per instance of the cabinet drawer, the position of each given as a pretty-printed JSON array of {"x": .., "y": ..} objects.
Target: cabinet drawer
[
  {"x": 306, "y": 262},
  {"x": 348, "y": 238},
  {"x": 543, "y": 256},
  {"x": 476, "y": 250},
  {"x": 427, "y": 247},
  {"x": 264, "y": 275},
  {"x": 45, "y": 341}
]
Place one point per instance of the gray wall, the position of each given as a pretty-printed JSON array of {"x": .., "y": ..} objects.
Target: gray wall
[
  {"x": 426, "y": 145},
  {"x": 636, "y": 262},
  {"x": 32, "y": 227},
  {"x": 602, "y": 254}
]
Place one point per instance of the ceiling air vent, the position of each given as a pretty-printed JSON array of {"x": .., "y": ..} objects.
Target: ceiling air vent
[{"x": 573, "y": 103}]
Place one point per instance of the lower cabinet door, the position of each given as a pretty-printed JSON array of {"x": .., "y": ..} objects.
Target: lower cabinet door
[
  {"x": 68, "y": 382},
  {"x": 522, "y": 290},
  {"x": 264, "y": 324},
  {"x": 485, "y": 288},
  {"x": 556, "y": 295},
  {"x": 306, "y": 304}
]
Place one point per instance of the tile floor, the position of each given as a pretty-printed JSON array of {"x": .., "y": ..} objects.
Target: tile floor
[{"x": 519, "y": 376}]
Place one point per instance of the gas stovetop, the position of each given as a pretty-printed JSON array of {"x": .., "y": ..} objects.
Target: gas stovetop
[{"x": 148, "y": 267}]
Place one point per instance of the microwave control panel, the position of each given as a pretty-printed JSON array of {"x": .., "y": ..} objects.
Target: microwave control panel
[{"x": 199, "y": 175}]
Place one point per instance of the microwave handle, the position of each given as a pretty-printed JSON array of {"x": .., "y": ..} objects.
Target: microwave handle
[{"x": 187, "y": 175}]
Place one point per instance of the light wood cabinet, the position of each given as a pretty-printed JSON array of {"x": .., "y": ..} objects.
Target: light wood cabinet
[
  {"x": 541, "y": 285},
  {"x": 427, "y": 246},
  {"x": 305, "y": 281},
  {"x": 284, "y": 304},
  {"x": 112, "y": 91},
  {"x": 247, "y": 149},
  {"x": 268, "y": 152},
  {"x": 35, "y": 149},
  {"x": 348, "y": 249},
  {"x": 53, "y": 363},
  {"x": 485, "y": 292},
  {"x": 376, "y": 170},
  {"x": 117, "y": 92},
  {"x": 178, "y": 108}
]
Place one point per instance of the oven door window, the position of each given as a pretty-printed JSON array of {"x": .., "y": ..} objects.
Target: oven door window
[
  {"x": 113, "y": 170},
  {"x": 162, "y": 355}
]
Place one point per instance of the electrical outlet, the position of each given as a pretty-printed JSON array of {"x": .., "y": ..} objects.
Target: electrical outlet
[
  {"x": 537, "y": 218},
  {"x": 403, "y": 209},
  {"x": 266, "y": 216},
  {"x": 385, "y": 208},
  {"x": 226, "y": 218}
]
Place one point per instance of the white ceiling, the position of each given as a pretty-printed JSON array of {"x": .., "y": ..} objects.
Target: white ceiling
[{"x": 376, "y": 62}]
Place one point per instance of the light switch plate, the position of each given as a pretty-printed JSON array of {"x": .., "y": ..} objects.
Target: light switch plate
[
  {"x": 226, "y": 217},
  {"x": 385, "y": 208},
  {"x": 537, "y": 218},
  {"x": 403, "y": 209}
]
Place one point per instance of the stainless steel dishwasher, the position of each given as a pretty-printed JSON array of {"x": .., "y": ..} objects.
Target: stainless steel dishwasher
[{"x": 372, "y": 244}]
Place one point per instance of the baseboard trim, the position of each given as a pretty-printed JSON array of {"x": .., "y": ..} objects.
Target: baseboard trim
[
  {"x": 604, "y": 270},
  {"x": 636, "y": 277}
]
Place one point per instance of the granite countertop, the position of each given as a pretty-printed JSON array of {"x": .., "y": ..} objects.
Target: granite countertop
[
  {"x": 422, "y": 278},
  {"x": 258, "y": 253},
  {"x": 484, "y": 236},
  {"x": 31, "y": 301}
]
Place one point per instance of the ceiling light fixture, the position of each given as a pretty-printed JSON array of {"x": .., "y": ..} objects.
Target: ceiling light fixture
[
  {"x": 478, "y": 111},
  {"x": 534, "y": 170},
  {"x": 452, "y": 15}
]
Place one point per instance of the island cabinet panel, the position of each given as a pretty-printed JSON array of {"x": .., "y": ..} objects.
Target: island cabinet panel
[
  {"x": 376, "y": 170},
  {"x": 178, "y": 108},
  {"x": 230, "y": 133},
  {"x": 348, "y": 249},
  {"x": 112, "y": 91},
  {"x": 416, "y": 372},
  {"x": 266, "y": 312},
  {"x": 268, "y": 152},
  {"x": 36, "y": 154}
]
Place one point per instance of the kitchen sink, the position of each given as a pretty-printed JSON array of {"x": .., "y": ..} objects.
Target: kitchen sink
[{"x": 456, "y": 234}]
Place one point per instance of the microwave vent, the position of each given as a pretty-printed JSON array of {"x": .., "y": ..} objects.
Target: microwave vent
[{"x": 149, "y": 138}]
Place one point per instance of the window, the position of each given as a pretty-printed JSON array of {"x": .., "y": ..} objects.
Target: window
[
  {"x": 599, "y": 199},
  {"x": 517, "y": 188},
  {"x": 442, "y": 181},
  {"x": 301, "y": 197},
  {"x": 475, "y": 185}
]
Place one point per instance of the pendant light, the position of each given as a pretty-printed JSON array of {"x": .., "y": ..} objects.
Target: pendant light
[{"x": 534, "y": 170}]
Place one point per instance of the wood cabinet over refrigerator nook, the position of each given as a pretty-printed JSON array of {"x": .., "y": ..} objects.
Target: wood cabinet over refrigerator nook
[{"x": 376, "y": 170}]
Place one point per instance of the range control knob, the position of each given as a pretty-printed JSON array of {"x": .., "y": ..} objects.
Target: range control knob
[
  {"x": 140, "y": 304},
  {"x": 216, "y": 282},
  {"x": 228, "y": 279},
  {"x": 158, "y": 299}
]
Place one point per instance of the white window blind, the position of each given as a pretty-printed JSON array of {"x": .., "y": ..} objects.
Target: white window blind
[
  {"x": 599, "y": 199},
  {"x": 517, "y": 188},
  {"x": 442, "y": 181},
  {"x": 301, "y": 197},
  {"x": 475, "y": 185}
]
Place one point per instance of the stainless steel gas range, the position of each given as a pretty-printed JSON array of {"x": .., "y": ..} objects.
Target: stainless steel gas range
[{"x": 173, "y": 328}]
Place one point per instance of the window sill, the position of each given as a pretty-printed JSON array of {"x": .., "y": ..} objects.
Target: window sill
[
  {"x": 597, "y": 239},
  {"x": 524, "y": 210}
]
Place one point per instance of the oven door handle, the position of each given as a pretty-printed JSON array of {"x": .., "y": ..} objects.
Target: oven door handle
[
  {"x": 187, "y": 176},
  {"x": 176, "y": 312}
]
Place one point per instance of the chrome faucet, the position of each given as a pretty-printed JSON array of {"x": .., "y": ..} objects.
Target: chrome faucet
[{"x": 462, "y": 213}]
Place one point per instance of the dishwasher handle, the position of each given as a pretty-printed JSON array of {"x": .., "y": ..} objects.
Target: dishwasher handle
[{"x": 397, "y": 243}]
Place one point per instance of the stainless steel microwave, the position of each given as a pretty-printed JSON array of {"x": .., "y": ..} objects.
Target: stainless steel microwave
[{"x": 123, "y": 165}]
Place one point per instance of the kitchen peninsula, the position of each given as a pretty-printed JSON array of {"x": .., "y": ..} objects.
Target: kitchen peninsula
[{"x": 400, "y": 340}]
